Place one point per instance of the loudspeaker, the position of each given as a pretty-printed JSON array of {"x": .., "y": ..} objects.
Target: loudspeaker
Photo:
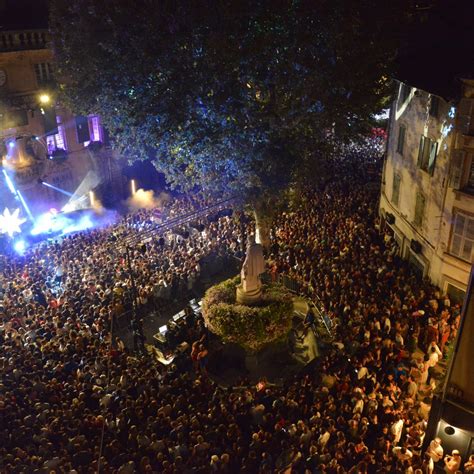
[
  {"x": 390, "y": 218},
  {"x": 415, "y": 246}
]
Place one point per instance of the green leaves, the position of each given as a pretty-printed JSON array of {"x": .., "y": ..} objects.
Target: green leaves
[
  {"x": 252, "y": 327},
  {"x": 226, "y": 95}
]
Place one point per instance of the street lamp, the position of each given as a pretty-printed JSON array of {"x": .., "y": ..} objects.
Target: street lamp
[{"x": 44, "y": 99}]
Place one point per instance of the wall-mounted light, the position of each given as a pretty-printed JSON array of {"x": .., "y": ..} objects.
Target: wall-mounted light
[
  {"x": 44, "y": 99},
  {"x": 134, "y": 187}
]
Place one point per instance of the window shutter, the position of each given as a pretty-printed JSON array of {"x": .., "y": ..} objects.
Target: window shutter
[
  {"x": 420, "y": 151},
  {"x": 463, "y": 118},
  {"x": 433, "y": 154},
  {"x": 455, "y": 175},
  {"x": 419, "y": 209},
  {"x": 401, "y": 139},
  {"x": 396, "y": 189},
  {"x": 470, "y": 180},
  {"x": 462, "y": 239},
  {"x": 434, "y": 106}
]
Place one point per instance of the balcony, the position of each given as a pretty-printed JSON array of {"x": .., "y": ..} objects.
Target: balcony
[
  {"x": 23, "y": 40},
  {"x": 468, "y": 141}
]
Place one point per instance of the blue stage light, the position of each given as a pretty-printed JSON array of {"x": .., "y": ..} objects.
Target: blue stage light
[
  {"x": 10, "y": 185},
  {"x": 19, "y": 246}
]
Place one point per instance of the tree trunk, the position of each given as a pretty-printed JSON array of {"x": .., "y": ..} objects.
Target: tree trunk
[{"x": 263, "y": 224}]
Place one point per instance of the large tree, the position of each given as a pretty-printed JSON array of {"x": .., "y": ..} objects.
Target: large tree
[{"x": 233, "y": 96}]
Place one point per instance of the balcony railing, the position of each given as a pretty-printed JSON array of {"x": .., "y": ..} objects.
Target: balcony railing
[
  {"x": 23, "y": 40},
  {"x": 468, "y": 141}
]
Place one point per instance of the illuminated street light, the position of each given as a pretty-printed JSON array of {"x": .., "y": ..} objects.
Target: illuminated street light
[{"x": 44, "y": 99}]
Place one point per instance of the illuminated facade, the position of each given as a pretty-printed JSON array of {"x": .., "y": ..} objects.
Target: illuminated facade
[
  {"x": 42, "y": 141},
  {"x": 427, "y": 197}
]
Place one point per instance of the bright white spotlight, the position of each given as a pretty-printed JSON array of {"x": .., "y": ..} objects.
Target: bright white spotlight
[
  {"x": 10, "y": 223},
  {"x": 20, "y": 247}
]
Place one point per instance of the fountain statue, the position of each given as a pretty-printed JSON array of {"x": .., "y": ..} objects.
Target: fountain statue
[{"x": 250, "y": 289}]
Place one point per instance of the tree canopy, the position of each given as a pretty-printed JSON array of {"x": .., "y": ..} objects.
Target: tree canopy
[{"x": 229, "y": 95}]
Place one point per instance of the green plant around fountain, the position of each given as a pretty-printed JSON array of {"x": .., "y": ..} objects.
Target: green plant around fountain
[{"x": 252, "y": 327}]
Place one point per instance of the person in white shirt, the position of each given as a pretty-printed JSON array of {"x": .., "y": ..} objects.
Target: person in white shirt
[
  {"x": 435, "y": 451},
  {"x": 396, "y": 429},
  {"x": 452, "y": 463},
  {"x": 434, "y": 354},
  {"x": 412, "y": 388},
  {"x": 402, "y": 453}
]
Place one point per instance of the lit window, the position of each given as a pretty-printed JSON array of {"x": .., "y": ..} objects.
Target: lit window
[
  {"x": 95, "y": 129},
  {"x": 57, "y": 141},
  {"x": 462, "y": 238}
]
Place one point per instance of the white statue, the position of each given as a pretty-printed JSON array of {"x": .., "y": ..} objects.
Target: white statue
[{"x": 250, "y": 290}]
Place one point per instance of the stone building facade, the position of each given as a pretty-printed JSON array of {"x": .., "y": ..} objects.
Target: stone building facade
[
  {"x": 41, "y": 141},
  {"x": 427, "y": 197}
]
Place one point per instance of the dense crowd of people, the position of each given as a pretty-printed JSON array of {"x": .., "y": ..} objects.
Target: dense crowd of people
[{"x": 73, "y": 399}]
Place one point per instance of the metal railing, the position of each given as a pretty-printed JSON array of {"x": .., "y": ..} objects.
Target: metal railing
[
  {"x": 174, "y": 222},
  {"x": 298, "y": 287}
]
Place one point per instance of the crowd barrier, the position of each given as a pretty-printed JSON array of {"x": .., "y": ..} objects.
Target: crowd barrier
[
  {"x": 174, "y": 222},
  {"x": 297, "y": 287}
]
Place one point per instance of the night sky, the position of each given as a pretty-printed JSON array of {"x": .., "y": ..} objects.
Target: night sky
[{"x": 23, "y": 14}]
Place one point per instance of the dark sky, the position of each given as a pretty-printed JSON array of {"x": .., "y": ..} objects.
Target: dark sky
[
  {"x": 440, "y": 49},
  {"x": 431, "y": 54},
  {"x": 23, "y": 14}
]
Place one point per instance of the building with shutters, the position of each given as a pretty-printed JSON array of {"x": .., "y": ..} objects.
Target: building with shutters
[
  {"x": 427, "y": 195},
  {"x": 39, "y": 139}
]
